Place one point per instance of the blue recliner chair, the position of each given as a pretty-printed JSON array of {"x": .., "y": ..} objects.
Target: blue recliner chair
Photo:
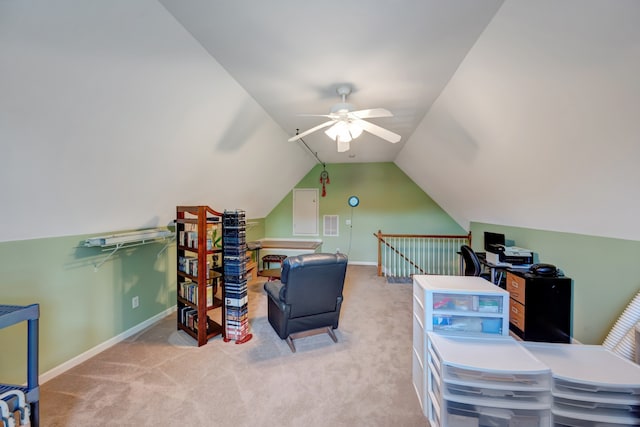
[{"x": 308, "y": 297}]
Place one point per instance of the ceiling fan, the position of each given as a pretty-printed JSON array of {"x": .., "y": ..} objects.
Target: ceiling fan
[{"x": 347, "y": 124}]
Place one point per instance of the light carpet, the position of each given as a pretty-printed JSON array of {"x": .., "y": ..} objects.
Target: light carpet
[{"x": 159, "y": 377}]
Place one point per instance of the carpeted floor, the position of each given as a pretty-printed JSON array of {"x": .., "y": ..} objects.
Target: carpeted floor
[
  {"x": 160, "y": 378},
  {"x": 400, "y": 279}
]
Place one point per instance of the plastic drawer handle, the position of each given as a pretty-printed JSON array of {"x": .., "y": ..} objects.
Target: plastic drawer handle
[
  {"x": 6, "y": 417},
  {"x": 23, "y": 407}
]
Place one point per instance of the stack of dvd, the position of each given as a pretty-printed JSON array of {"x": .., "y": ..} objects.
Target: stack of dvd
[{"x": 236, "y": 319}]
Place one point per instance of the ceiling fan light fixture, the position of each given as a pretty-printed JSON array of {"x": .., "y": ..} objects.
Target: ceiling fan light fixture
[
  {"x": 345, "y": 124},
  {"x": 342, "y": 145},
  {"x": 344, "y": 132},
  {"x": 339, "y": 131},
  {"x": 355, "y": 130}
]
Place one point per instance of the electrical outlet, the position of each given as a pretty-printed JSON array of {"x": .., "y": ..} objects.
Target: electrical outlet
[
  {"x": 337, "y": 250},
  {"x": 348, "y": 222},
  {"x": 135, "y": 302}
]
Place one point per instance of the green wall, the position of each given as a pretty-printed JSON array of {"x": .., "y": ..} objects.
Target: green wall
[
  {"x": 604, "y": 277},
  {"x": 80, "y": 307},
  {"x": 389, "y": 201}
]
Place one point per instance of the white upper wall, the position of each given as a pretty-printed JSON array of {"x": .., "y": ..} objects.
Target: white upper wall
[
  {"x": 540, "y": 125},
  {"x": 111, "y": 114}
]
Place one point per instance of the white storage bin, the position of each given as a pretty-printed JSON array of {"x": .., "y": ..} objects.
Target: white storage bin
[
  {"x": 562, "y": 416},
  {"x": 471, "y": 324},
  {"x": 505, "y": 398},
  {"x": 588, "y": 370},
  {"x": 587, "y": 389},
  {"x": 564, "y": 421},
  {"x": 457, "y": 302},
  {"x": 454, "y": 414},
  {"x": 622, "y": 412},
  {"x": 497, "y": 379},
  {"x": 498, "y": 362}
]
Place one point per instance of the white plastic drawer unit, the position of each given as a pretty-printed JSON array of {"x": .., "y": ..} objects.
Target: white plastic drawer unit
[
  {"x": 486, "y": 381},
  {"x": 567, "y": 421},
  {"x": 592, "y": 386},
  {"x": 455, "y": 414},
  {"x": 589, "y": 372},
  {"x": 462, "y": 304},
  {"x": 490, "y": 362},
  {"x": 443, "y": 301},
  {"x": 514, "y": 398},
  {"x": 611, "y": 409},
  {"x": 418, "y": 293}
]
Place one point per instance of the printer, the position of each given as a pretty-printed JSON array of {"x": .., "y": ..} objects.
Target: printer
[{"x": 508, "y": 255}]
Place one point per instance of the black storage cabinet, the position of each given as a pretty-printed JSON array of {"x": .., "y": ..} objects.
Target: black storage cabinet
[{"x": 540, "y": 307}]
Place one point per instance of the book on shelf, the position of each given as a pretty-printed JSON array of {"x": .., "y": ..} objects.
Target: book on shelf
[{"x": 189, "y": 291}]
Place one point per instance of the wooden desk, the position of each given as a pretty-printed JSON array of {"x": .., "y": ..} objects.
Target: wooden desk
[
  {"x": 288, "y": 247},
  {"x": 271, "y": 274}
]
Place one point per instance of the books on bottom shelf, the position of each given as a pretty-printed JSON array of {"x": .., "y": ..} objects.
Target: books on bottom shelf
[{"x": 189, "y": 318}]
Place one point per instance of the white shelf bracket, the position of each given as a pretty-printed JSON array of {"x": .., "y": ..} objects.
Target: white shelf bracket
[
  {"x": 169, "y": 243},
  {"x": 98, "y": 265},
  {"x": 115, "y": 242}
]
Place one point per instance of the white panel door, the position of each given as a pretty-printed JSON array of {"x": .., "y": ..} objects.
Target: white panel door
[{"x": 305, "y": 212}]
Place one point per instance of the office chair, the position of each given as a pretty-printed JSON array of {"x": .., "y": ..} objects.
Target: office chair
[{"x": 472, "y": 266}]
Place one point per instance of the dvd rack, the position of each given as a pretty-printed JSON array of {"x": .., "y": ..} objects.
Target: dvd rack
[
  {"x": 198, "y": 275},
  {"x": 236, "y": 314}
]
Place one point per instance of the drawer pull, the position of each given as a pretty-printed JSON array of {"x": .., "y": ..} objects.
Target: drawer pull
[
  {"x": 515, "y": 295},
  {"x": 514, "y": 284}
]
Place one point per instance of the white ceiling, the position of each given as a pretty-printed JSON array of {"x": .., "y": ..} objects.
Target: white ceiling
[
  {"x": 291, "y": 55},
  {"x": 518, "y": 113},
  {"x": 505, "y": 108}
]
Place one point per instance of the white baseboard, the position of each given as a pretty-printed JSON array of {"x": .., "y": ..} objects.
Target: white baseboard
[
  {"x": 362, "y": 263},
  {"x": 52, "y": 373}
]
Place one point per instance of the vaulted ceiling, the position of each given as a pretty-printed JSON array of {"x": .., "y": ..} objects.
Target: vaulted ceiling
[
  {"x": 292, "y": 57},
  {"x": 516, "y": 113}
]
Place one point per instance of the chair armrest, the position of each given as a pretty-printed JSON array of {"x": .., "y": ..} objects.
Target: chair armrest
[{"x": 273, "y": 290}]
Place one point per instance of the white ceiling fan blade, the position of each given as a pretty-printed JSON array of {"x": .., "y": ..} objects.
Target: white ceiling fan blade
[
  {"x": 371, "y": 113},
  {"x": 331, "y": 116},
  {"x": 378, "y": 131},
  {"x": 313, "y": 129}
]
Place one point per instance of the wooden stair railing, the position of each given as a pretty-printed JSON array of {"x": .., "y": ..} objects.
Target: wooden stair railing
[{"x": 403, "y": 255}]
